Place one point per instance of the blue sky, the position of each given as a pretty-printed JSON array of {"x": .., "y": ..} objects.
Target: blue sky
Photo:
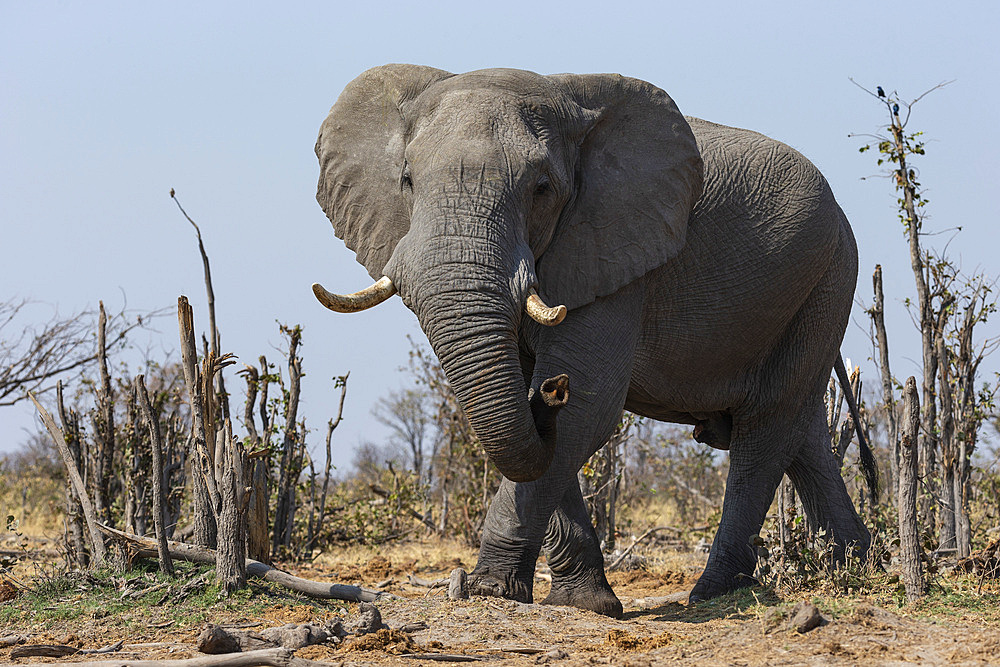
[{"x": 106, "y": 106}]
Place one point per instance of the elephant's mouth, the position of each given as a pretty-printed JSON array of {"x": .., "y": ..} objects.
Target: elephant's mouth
[{"x": 383, "y": 288}]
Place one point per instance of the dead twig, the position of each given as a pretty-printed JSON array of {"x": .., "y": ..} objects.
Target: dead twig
[
  {"x": 382, "y": 493},
  {"x": 110, "y": 648},
  {"x": 636, "y": 543},
  {"x": 426, "y": 583},
  {"x": 442, "y": 657}
]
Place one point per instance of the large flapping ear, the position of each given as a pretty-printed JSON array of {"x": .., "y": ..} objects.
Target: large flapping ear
[
  {"x": 639, "y": 175},
  {"x": 360, "y": 150}
]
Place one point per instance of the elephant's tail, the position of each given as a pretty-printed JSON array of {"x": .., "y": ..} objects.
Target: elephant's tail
[{"x": 868, "y": 465}]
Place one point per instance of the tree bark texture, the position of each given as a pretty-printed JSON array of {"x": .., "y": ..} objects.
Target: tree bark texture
[
  {"x": 288, "y": 472},
  {"x": 970, "y": 414},
  {"x": 104, "y": 425},
  {"x": 156, "y": 475},
  {"x": 786, "y": 513},
  {"x": 230, "y": 567},
  {"x": 909, "y": 534},
  {"x": 882, "y": 341},
  {"x": 948, "y": 458},
  {"x": 258, "y": 543},
  {"x": 76, "y": 541},
  {"x": 204, "y": 490}
]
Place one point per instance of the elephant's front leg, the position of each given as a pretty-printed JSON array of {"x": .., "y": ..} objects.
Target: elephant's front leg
[
  {"x": 594, "y": 346},
  {"x": 574, "y": 555}
]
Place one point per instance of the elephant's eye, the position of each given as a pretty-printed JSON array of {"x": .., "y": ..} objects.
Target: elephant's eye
[
  {"x": 543, "y": 186},
  {"x": 405, "y": 181}
]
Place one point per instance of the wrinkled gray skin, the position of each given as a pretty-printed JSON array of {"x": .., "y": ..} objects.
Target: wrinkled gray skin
[{"x": 708, "y": 270}]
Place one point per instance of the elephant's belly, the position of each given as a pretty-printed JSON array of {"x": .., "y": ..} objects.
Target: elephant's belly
[{"x": 700, "y": 365}]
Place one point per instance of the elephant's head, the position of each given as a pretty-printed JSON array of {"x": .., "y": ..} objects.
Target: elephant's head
[{"x": 464, "y": 193}]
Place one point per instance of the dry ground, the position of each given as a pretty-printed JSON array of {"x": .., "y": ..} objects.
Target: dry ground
[{"x": 957, "y": 625}]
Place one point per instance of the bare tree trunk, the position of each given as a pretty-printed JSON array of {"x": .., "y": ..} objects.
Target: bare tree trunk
[
  {"x": 287, "y": 476},
  {"x": 311, "y": 521},
  {"x": 971, "y": 413},
  {"x": 97, "y": 549},
  {"x": 928, "y": 438},
  {"x": 609, "y": 541},
  {"x": 156, "y": 474},
  {"x": 173, "y": 462},
  {"x": 963, "y": 527},
  {"x": 195, "y": 554},
  {"x": 882, "y": 340},
  {"x": 909, "y": 535},
  {"x": 130, "y": 467},
  {"x": 258, "y": 544},
  {"x": 204, "y": 490},
  {"x": 76, "y": 541},
  {"x": 330, "y": 428},
  {"x": 786, "y": 514},
  {"x": 946, "y": 515},
  {"x": 230, "y": 568},
  {"x": 104, "y": 426}
]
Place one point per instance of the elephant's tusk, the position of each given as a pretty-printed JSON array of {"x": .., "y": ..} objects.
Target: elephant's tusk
[
  {"x": 541, "y": 313},
  {"x": 352, "y": 303}
]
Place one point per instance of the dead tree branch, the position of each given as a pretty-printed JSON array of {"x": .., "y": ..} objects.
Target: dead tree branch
[
  {"x": 60, "y": 347},
  {"x": 96, "y": 540},
  {"x": 146, "y": 548},
  {"x": 271, "y": 657}
]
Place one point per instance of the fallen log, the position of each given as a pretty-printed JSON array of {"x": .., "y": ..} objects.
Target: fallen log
[
  {"x": 147, "y": 548},
  {"x": 43, "y": 651},
  {"x": 272, "y": 657},
  {"x": 217, "y": 639}
]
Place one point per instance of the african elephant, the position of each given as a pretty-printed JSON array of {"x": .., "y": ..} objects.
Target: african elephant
[{"x": 707, "y": 273}]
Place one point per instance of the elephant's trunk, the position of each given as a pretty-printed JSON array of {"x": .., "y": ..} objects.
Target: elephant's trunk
[
  {"x": 479, "y": 355},
  {"x": 469, "y": 300}
]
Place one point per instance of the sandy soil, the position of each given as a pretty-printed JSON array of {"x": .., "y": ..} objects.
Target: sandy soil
[{"x": 750, "y": 628}]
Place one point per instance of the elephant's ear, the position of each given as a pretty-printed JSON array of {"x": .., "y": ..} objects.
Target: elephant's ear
[
  {"x": 639, "y": 175},
  {"x": 360, "y": 151}
]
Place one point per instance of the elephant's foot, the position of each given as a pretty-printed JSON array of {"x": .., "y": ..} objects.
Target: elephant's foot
[
  {"x": 713, "y": 583},
  {"x": 487, "y": 583},
  {"x": 590, "y": 591}
]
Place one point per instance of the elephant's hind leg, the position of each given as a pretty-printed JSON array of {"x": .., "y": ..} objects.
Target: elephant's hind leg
[
  {"x": 758, "y": 458},
  {"x": 574, "y": 555},
  {"x": 817, "y": 478}
]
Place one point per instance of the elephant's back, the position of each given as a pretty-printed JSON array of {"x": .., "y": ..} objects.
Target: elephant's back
[{"x": 765, "y": 185}]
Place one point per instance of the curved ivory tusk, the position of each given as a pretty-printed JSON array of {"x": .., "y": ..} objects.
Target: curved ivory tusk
[
  {"x": 541, "y": 313},
  {"x": 352, "y": 303}
]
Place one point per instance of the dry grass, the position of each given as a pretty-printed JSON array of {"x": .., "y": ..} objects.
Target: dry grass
[{"x": 36, "y": 503}]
